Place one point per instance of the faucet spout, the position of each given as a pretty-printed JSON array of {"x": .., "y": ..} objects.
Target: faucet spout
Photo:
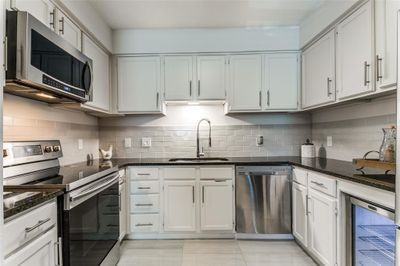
[{"x": 198, "y": 153}]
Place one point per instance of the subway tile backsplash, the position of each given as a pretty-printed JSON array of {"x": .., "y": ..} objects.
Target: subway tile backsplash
[{"x": 228, "y": 141}]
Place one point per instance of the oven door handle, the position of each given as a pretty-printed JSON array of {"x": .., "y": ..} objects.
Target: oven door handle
[{"x": 95, "y": 189}]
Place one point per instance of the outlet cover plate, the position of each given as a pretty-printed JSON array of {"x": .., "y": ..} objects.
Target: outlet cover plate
[
  {"x": 146, "y": 142},
  {"x": 329, "y": 141}
]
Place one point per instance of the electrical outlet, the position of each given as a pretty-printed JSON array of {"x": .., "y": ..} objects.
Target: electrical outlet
[
  {"x": 329, "y": 141},
  {"x": 80, "y": 144},
  {"x": 128, "y": 143},
  {"x": 146, "y": 142},
  {"x": 260, "y": 140}
]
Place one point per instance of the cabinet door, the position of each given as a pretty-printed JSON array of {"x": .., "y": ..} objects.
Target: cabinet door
[
  {"x": 40, "y": 252},
  {"x": 281, "y": 81},
  {"x": 43, "y": 10},
  {"x": 318, "y": 70},
  {"x": 299, "y": 205},
  {"x": 386, "y": 12},
  {"x": 211, "y": 78},
  {"x": 178, "y": 78},
  {"x": 216, "y": 205},
  {"x": 139, "y": 84},
  {"x": 245, "y": 82},
  {"x": 68, "y": 30},
  {"x": 322, "y": 227},
  {"x": 354, "y": 54},
  {"x": 101, "y": 74},
  {"x": 179, "y": 206}
]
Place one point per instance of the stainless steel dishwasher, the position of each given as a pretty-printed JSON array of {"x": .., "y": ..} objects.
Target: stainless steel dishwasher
[{"x": 263, "y": 202}]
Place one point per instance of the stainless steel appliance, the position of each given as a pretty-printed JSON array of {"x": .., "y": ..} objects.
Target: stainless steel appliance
[
  {"x": 370, "y": 232},
  {"x": 263, "y": 202},
  {"x": 41, "y": 65},
  {"x": 89, "y": 210}
]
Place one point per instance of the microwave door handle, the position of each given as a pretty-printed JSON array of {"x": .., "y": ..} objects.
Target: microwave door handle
[{"x": 89, "y": 88}]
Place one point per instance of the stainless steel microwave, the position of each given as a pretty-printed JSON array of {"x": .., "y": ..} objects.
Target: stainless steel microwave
[{"x": 41, "y": 65}]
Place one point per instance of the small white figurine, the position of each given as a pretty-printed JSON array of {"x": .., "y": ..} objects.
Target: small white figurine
[{"x": 107, "y": 154}]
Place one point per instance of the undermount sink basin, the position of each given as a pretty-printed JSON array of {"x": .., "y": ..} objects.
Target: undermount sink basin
[{"x": 201, "y": 159}]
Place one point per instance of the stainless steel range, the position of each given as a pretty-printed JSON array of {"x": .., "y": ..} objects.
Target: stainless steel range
[{"x": 89, "y": 210}]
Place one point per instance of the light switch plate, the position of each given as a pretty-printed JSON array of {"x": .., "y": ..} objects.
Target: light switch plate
[
  {"x": 329, "y": 141},
  {"x": 80, "y": 144},
  {"x": 146, "y": 142},
  {"x": 128, "y": 143}
]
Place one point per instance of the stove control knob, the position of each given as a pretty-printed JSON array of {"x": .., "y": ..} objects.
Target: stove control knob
[
  {"x": 56, "y": 148},
  {"x": 48, "y": 149}
]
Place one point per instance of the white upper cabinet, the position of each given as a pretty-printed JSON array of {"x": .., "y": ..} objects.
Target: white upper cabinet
[
  {"x": 139, "y": 84},
  {"x": 386, "y": 12},
  {"x": 211, "y": 77},
  {"x": 245, "y": 75},
  {"x": 69, "y": 30},
  {"x": 43, "y": 10},
  {"x": 178, "y": 78},
  {"x": 281, "y": 81},
  {"x": 216, "y": 205},
  {"x": 101, "y": 74},
  {"x": 318, "y": 70},
  {"x": 354, "y": 54}
]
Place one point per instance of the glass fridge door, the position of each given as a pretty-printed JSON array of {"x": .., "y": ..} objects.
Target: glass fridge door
[{"x": 374, "y": 235}]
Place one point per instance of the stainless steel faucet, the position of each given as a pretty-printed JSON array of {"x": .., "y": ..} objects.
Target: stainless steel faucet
[{"x": 198, "y": 153}]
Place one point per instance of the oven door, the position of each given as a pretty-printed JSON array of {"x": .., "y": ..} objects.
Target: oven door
[{"x": 91, "y": 222}]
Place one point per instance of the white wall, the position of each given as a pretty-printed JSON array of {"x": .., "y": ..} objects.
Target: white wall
[
  {"x": 205, "y": 40},
  {"x": 323, "y": 17},
  {"x": 92, "y": 20}
]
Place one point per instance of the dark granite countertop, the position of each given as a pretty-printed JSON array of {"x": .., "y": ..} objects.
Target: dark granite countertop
[
  {"x": 19, "y": 201},
  {"x": 337, "y": 168}
]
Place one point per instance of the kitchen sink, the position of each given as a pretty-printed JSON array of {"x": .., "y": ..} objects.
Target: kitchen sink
[{"x": 201, "y": 159}]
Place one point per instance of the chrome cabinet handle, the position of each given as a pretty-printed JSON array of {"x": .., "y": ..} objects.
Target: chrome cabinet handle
[
  {"x": 307, "y": 199},
  {"x": 158, "y": 98},
  {"x": 318, "y": 184},
  {"x": 143, "y": 174},
  {"x": 38, "y": 224},
  {"x": 193, "y": 194},
  {"x": 62, "y": 25},
  {"x": 328, "y": 87},
  {"x": 366, "y": 67},
  {"x": 259, "y": 98},
  {"x": 190, "y": 88},
  {"x": 268, "y": 102},
  {"x": 53, "y": 19},
  {"x": 144, "y": 204},
  {"x": 306, "y": 205},
  {"x": 198, "y": 88},
  {"x": 148, "y": 224},
  {"x": 202, "y": 194},
  {"x": 144, "y": 187},
  {"x": 379, "y": 75}
]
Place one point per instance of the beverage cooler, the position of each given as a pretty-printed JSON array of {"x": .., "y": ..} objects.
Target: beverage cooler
[{"x": 371, "y": 233}]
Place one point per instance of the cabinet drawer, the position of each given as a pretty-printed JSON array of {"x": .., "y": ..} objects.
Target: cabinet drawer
[
  {"x": 145, "y": 187},
  {"x": 180, "y": 173},
  {"x": 300, "y": 176},
  {"x": 142, "y": 173},
  {"x": 144, "y": 223},
  {"x": 216, "y": 173},
  {"x": 27, "y": 227},
  {"x": 322, "y": 183},
  {"x": 145, "y": 203}
]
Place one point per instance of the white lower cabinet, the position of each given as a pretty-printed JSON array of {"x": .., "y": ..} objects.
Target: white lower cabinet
[
  {"x": 216, "y": 205},
  {"x": 179, "y": 206},
  {"x": 299, "y": 197},
  {"x": 315, "y": 214},
  {"x": 123, "y": 212}
]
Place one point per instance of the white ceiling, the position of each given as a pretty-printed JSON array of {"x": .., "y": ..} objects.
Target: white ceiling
[{"x": 145, "y": 14}]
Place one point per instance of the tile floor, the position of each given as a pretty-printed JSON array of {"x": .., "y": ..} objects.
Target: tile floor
[{"x": 212, "y": 253}]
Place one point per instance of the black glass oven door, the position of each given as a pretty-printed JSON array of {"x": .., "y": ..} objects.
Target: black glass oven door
[{"x": 92, "y": 228}]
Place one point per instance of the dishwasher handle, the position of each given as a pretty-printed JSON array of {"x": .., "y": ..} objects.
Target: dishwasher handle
[{"x": 271, "y": 173}]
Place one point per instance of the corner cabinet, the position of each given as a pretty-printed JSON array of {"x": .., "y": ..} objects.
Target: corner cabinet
[
  {"x": 101, "y": 74},
  {"x": 281, "y": 81},
  {"x": 139, "y": 85},
  {"x": 386, "y": 13},
  {"x": 245, "y": 83},
  {"x": 318, "y": 72},
  {"x": 355, "y": 66}
]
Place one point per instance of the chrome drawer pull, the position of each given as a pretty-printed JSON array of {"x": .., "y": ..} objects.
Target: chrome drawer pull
[
  {"x": 145, "y": 174},
  {"x": 318, "y": 184},
  {"x": 39, "y": 223},
  {"x": 148, "y": 224},
  {"x": 144, "y": 204},
  {"x": 144, "y": 187}
]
